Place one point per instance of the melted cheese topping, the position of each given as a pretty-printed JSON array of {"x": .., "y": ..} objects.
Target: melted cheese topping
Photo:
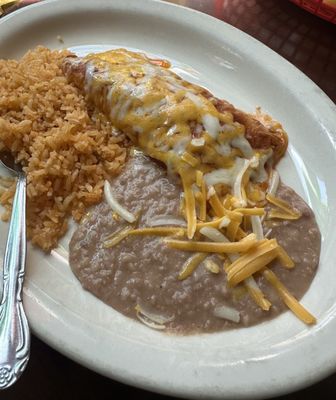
[
  {"x": 173, "y": 121},
  {"x": 160, "y": 111}
]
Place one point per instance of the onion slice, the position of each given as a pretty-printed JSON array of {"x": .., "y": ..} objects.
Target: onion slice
[
  {"x": 213, "y": 234},
  {"x": 273, "y": 182},
  {"x": 152, "y": 320},
  {"x": 117, "y": 237},
  {"x": 257, "y": 227},
  {"x": 228, "y": 313},
  {"x": 167, "y": 220},
  {"x": 225, "y": 222},
  {"x": 115, "y": 205},
  {"x": 150, "y": 323},
  {"x": 237, "y": 186}
]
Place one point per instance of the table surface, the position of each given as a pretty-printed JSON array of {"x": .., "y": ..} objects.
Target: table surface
[{"x": 306, "y": 41}]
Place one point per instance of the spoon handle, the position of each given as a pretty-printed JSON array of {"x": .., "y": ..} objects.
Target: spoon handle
[{"x": 14, "y": 329}]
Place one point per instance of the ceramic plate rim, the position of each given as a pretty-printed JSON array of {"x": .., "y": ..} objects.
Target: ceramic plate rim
[{"x": 69, "y": 346}]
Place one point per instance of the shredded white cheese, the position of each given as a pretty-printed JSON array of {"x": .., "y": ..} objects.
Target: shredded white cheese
[
  {"x": 274, "y": 182},
  {"x": 198, "y": 142},
  {"x": 167, "y": 220},
  {"x": 237, "y": 186},
  {"x": 241, "y": 143},
  {"x": 257, "y": 227},
  {"x": 211, "y": 192},
  {"x": 228, "y": 313},
  {"x": 211, "y": 125},
  {"x": 213, "y": 234},
  {"x": 115, "y": 205},
  {"x": 225, "y": 222}
]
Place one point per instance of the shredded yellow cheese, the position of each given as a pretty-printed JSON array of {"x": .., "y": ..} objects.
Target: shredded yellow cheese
[
  {"x": 237, "y": 275},
  {"x": 203, "y": 207},
  {"x": 216, "y": 205},
  {"x": 115, "y": 216},
  {"x": 201, "y": 195},
  {"x": 215, "y": 223},
  {"x": 252, "y": 261},
  {"x": 199, "y": 178},
  {"x": 226, "y": 264},
  {"x": 284, "y": 206},
  {"x": 289, "y": 299},
  {"x": 255, "y": 196},
  {"x": 212, "y": 266},
  {"x": 190, "y": 206},
  {"x": 189, "y": 159},
  {"x": 227, "y": 203},
  {"x": 198, "y": 196},
  {"x": 284, "y": 258},
  {"x": 251, "y": 211},
  {"x": 190, "y": 265},
  {"x": 240, "y": 233},
  {"x": 252, "y": 288},
  {"x": 234, "y": 215},
  {"x": 182, "y": 208},
  {"x": 275, "y": 214},
  {"x": 257, "y": 295},
  {"x": 246, "y": 225},
  {"x": 117, "y": 237},
  {"x": 211, "y": 247},
  {"x": 221, "y": 211},
  {"x": 158, "y": 231},
  {"x": 232, "y": 230}
]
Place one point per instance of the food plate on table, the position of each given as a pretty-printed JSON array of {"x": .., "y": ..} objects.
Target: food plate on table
[{"x": 234, "y": 67}]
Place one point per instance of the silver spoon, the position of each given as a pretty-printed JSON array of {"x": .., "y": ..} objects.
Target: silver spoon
[{"x": 14, "y": 329}]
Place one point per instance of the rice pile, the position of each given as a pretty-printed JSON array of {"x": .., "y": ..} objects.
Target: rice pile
[{"x": 67, "y": 150}]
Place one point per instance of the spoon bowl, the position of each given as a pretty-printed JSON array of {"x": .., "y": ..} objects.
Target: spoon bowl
[{"x": 8, "y": 161}]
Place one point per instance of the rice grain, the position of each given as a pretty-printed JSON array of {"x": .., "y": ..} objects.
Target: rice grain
[{"x": 66, "y": 148}]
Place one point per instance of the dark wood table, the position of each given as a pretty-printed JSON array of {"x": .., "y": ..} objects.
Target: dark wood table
[{"x": 306, "y": 41}]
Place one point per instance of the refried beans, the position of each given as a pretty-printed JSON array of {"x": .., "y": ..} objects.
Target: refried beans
[{"x": 141, "y": 271}]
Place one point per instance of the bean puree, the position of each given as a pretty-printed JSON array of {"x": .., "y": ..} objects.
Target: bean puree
[{"x": 142, "y": 270}]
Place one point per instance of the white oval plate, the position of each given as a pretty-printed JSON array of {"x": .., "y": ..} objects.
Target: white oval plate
[{"x": 269, "y": 359}]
